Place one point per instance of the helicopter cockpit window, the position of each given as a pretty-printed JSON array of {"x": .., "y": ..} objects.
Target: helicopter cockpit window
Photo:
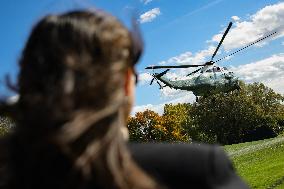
[{"x": 209, "y": 70}]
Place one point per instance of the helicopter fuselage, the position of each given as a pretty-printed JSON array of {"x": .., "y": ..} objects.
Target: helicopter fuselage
[{"x": 203, "y": 84}]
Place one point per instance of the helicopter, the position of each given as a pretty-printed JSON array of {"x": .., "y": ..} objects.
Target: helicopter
[{"x": 207, "y": 80}]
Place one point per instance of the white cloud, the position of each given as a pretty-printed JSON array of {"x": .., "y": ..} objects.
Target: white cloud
[
  {"x": 144, "y": 78},
  {"x": 159, "y": 108},
  {"x": 150, "y": 15},
  {"x": 145, "y": 2},
  {"x": 169, "y": 94},
  {"x": 260, "y": 24},
  {"x": 235, "y": 18},
  {"x": 180, "y": 59},
  {"x": 269, "y": 71},
  {"x": 190, "y": 58}
]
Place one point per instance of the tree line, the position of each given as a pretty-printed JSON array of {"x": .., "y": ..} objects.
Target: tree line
[{"x": 253, "y": 113}]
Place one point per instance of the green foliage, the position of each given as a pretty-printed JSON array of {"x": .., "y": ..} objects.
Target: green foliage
[{"x": 253, "y": 113}]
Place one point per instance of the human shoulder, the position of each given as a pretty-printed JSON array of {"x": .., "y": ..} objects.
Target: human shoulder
[
  {"x": 4, "y": 158},
  {"x": 181, "y": 159},
  {"x": 4, "y": 149},
  {"x": 194, "y": 165}
]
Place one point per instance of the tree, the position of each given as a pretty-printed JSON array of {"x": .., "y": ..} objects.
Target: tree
[
  {"x": 149, "y": 126},
  {"x": 177, "y": 122},
  {"x": 146, "y": 127},
  {"x": 251, "y": 114}
]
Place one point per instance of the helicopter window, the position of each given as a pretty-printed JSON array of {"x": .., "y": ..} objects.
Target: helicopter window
[
  {"x": 208, "y": 70},
  {"x": 216, "y": 69}
]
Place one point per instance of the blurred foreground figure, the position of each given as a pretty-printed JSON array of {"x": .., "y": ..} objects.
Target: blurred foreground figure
[{"x": 76, "y": 88}]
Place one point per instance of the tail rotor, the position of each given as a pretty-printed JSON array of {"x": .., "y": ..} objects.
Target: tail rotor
[
  {"x": 157, "y": 81},
  {"x": 156, "y": 77}
]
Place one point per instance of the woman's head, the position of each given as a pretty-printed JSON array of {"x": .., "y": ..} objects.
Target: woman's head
[
  {"x": 74, "y": 61},
  {"x": 76, "y": 72}
]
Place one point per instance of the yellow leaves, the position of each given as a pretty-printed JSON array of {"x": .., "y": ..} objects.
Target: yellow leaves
[
  {"x": 176, "y": 133},
  {"x": 161, "y": 128},
  {"x": 150, "y": 126}
]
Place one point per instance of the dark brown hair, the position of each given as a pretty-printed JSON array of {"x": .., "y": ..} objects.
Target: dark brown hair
[{"x": 71, "y": 106}]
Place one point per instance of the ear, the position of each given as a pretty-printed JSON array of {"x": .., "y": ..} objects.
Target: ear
[{"x": 128, "y": 82}]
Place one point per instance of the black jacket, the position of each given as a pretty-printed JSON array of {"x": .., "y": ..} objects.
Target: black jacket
[{"x": 187, "y": 166}]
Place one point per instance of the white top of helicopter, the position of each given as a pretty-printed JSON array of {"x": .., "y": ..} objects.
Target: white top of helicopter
[
  {"x": 207, "y": 71},
  {"x": 216, "y": 69}
]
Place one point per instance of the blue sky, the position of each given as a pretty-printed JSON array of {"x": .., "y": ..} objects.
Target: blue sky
[{"x": 175, "y": 32}]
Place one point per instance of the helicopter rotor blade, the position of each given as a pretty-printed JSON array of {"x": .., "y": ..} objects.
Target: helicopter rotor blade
[
  {"x": 181, "y": 66},
  {"x": 223, "y": 37},
  {"x": 195, "y": 71},
  {"x": 162, "y": 73},
  {"x": 260, "y": 39},
  {"x": 152, "y": 80}
]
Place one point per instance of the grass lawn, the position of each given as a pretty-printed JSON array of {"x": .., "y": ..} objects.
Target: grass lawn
[{"x": 260, "y": 163}]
